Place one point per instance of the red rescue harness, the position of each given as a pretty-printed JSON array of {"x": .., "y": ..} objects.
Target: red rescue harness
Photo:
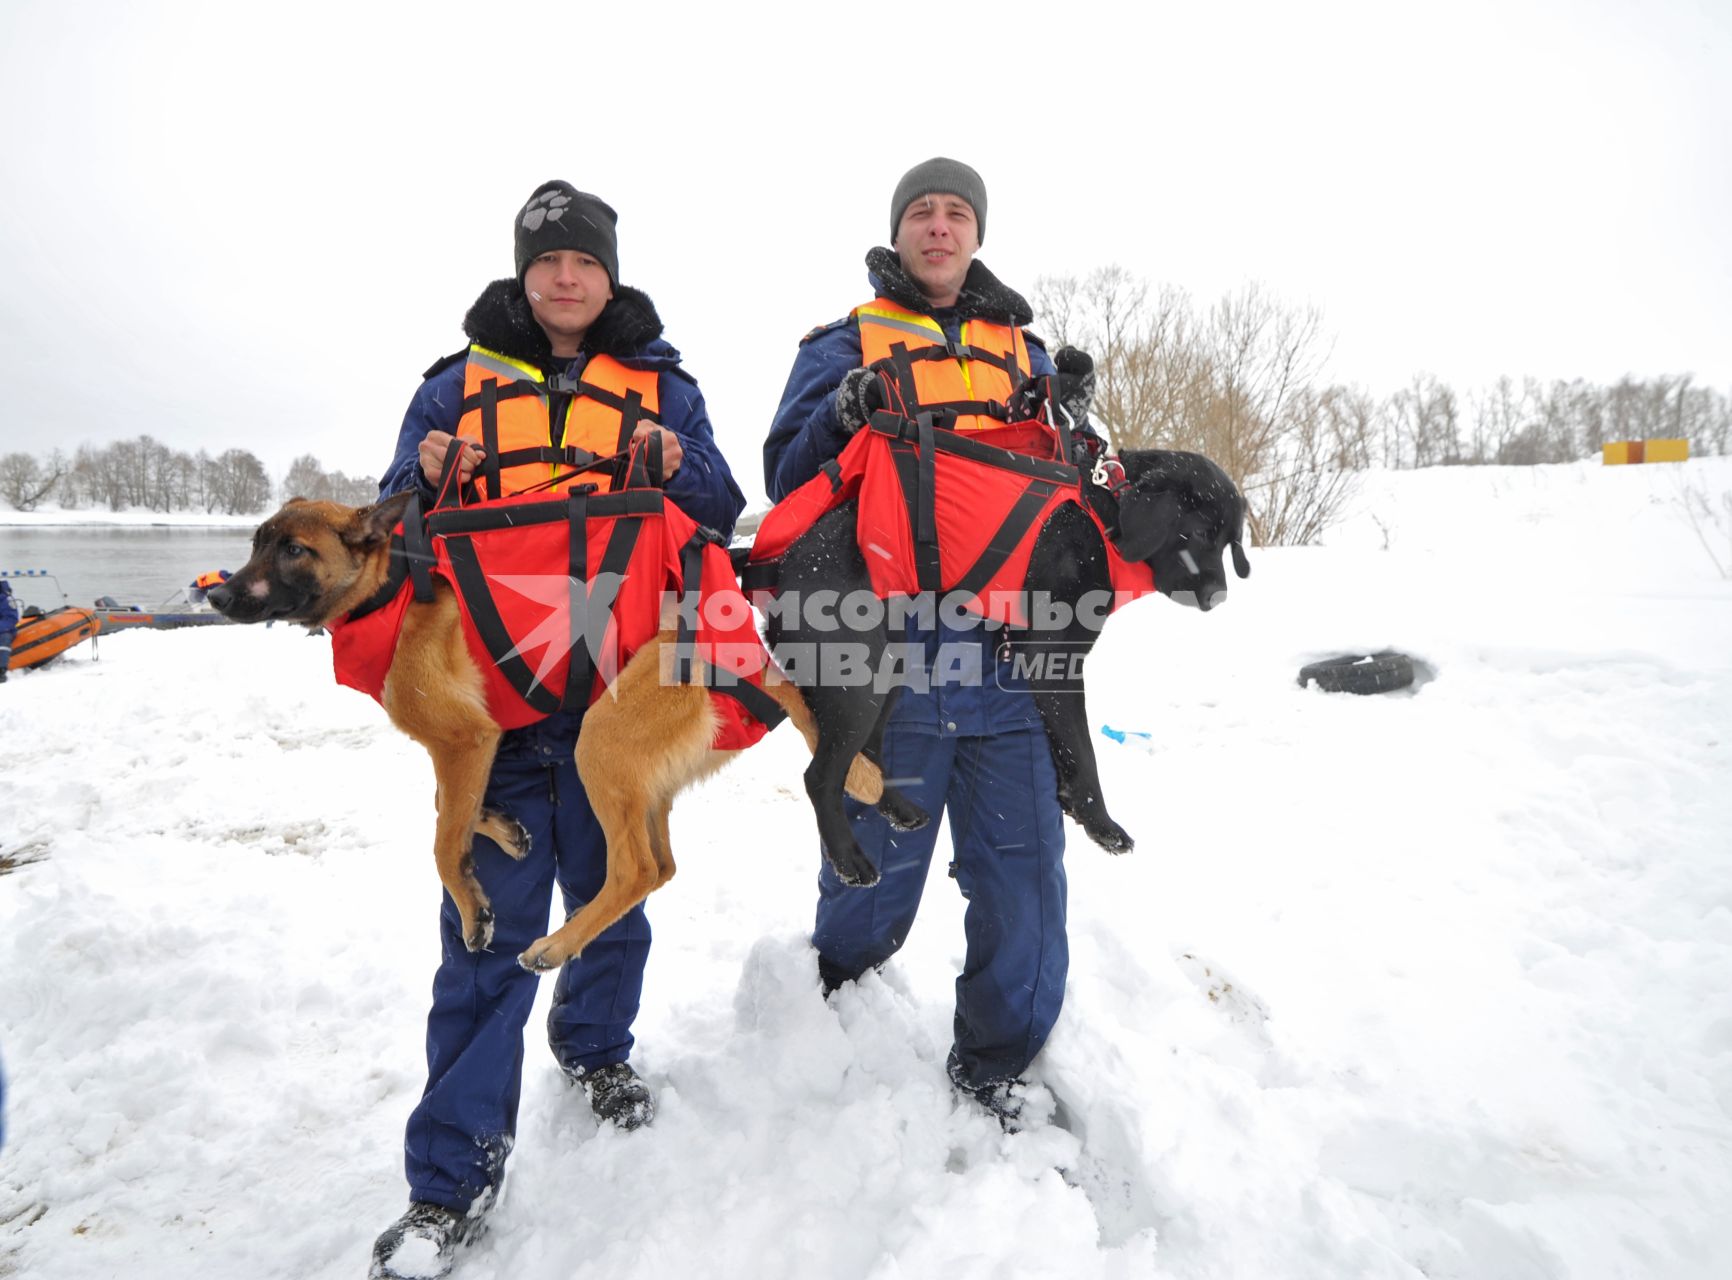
[
  {"x": 943, "y": 511},
  {"x": 556, "y": 595}
]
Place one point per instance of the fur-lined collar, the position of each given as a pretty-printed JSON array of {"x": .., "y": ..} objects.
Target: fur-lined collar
[
  {"x": 983, "y": 297},
  {"x": 501, "y": 321}
]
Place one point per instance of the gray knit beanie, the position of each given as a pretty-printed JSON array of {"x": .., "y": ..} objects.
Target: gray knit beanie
[
  {"x": 939, "y": 176},
  {"x": 559, "y": 216}
]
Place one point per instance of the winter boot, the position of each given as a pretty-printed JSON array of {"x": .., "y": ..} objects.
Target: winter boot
[
  {"x": 1001, "y": 1099},
  {"x": 423, "y": 1243},
  {"x": 617, "y": 1094}
]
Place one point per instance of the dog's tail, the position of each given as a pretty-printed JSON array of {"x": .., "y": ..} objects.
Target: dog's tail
[{"x": 864, "y": 782}]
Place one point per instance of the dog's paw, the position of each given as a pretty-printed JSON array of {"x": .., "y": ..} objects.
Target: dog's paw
[
  {"x": 902, "y": 813},
  {"x": 1110, "y": 836},
  {"x": 507, "y": 832},
  {"x": 543, "y": 956},
  {"x": 479, "y": 936},
  {"x": 857, "y": 872}
]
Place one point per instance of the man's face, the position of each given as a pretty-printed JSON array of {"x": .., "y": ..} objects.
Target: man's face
[
  {"x": 936, "y": 240},
  {"x": 566, "y": 290}
]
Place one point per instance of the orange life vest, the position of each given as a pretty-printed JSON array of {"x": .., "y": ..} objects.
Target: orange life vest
[
  {"x": 205, "y": 581},
  {"x": 972, "y": 378},
  {"x": 537, "y": 429}
]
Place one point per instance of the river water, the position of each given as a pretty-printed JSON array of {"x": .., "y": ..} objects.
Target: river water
[{"x": 142, "y": 565}]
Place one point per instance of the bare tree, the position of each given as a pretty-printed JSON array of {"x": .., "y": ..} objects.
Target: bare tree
[
  {"x": 1222, "y": 383},
  {"x": 1352, "y": 417},
  {"x": 307, "y": 479},
  {"x": 1305, "y": 486},
  {"x": 241, "y": 483},
  {"x": 1710, "y": 519},
  {"x": 1425, "y": 424},
  {"x": 24, "y": 481}
]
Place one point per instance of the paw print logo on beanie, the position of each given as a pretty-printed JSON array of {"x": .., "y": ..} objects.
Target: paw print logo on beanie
[{"x": 549, "y": 206}]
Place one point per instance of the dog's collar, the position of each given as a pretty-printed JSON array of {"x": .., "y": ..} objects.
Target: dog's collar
[{"x": 395, "y": 577}]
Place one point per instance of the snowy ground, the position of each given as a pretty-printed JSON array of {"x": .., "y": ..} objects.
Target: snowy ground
[{"x": 1430, "y": 984}]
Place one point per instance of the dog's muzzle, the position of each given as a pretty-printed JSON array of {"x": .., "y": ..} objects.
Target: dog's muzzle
[{"x": 1190, "y": 599}]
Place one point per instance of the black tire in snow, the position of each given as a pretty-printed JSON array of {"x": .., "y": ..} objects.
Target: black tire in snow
[{"x": 1370, "y": 673}]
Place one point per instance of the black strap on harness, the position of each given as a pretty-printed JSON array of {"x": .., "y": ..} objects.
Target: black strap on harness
[
  {"x": 490, "y": 433},
  {"x": 917, "y": 472},
  {"x": 758, "y": 704},
  {"x": 581, "y": 672},
  {"x": 1007, "y": 537},
  {"x": 576, "y": 511},
  {"x": 472, "y": 582},
  {"x": 917, "y": 469},
  {"x": 418, "y": 547},
  {"x": 643, "y": 468}
]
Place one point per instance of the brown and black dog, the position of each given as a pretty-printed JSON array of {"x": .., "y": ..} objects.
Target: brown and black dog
[{"x": 640, "y": 746}]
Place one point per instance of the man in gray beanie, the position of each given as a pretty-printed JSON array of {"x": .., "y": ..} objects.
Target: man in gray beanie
[
  {"x": 973, "y": 746},
  {"x": 939, "y": 176}
]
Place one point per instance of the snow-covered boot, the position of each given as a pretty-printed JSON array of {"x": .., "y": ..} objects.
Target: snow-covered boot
[
  {"x": 617, "y": 1094},
  {"x": 423, "y": 1243},
  {"x": 1000, "y": 1099}
]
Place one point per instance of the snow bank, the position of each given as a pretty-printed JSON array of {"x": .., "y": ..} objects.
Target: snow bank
[{"x": 1430, "y": 984}]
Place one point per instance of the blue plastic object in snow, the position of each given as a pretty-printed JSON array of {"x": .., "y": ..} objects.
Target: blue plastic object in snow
[{"x": 1122, "y": 735}]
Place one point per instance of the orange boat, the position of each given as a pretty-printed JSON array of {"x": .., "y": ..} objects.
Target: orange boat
[{"x": 43, "y": 637}]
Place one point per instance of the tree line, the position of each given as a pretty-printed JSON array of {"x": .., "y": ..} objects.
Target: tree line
[
  {"x": 1241, "y": 380},
  {"x": 148, "y": 475}
]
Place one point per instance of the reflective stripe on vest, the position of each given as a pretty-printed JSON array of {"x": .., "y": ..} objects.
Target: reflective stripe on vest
[
  {"x": 965, "y": 379},
  {"x": 597, "y": 415}
]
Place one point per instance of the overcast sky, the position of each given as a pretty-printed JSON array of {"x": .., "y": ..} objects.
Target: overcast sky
[{"x": 230, "y": 226}]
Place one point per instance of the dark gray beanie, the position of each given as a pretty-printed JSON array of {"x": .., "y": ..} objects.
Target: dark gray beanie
[
  {"x": 559, "y": 216},
  {"x": 939, "y": 176}
]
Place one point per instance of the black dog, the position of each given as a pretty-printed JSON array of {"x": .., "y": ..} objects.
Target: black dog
[{"x": 1177, "y": 512}]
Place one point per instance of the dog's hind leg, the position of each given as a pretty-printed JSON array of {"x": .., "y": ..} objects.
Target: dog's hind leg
[
  {"x": 661, "y": 843},
  {"x": 640, "y": 745},
  {"x": 865, "y": 781},
  {"x": 505, "y": 831}
]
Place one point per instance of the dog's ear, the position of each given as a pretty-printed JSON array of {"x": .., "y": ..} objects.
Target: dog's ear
[
  {"x": 374, "y": 525},
  {"x": 1146, "y": 520},
  {"x": 1241, "y": 566}
]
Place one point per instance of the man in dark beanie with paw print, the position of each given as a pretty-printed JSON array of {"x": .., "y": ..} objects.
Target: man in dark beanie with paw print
[{"x": 589, "y": 351}]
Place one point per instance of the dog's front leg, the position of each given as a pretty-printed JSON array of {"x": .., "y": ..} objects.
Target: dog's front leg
[
  {"x": 460, "y": 772},
  {"x": 1064, "y": 714},
  {"x": 434, "y": 694},
  {"x": 1069, "y": 565}
]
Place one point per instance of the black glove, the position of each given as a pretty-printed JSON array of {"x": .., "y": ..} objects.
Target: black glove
[
  {"x": 1073, "y": 386},
  {"x": 861, "y": 394}
]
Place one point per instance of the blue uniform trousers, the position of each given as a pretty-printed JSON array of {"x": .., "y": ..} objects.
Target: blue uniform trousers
[
  {"x": 460, "y": 1133},
  {"x": 1007, "y": 832}
]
